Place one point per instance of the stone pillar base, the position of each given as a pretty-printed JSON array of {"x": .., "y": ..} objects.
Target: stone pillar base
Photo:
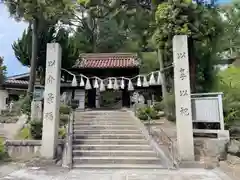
[{"x": 221, "y": 134}]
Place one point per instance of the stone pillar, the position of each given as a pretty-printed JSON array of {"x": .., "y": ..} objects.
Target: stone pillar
[
  {"x": 80, "y": 95},
  {"x": 69, "y": 95},
  {"x": 51, "y": 100},
  {"x": 3, "y": 99},
  {"x": 36, "y": 110},
  {"x": 183, "y": 98},
  {"x": 97, "y": 103}
]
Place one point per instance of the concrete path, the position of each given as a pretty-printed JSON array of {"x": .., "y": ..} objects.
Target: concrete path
[
  {"x": 57, "y": 173},
  {"x": 11, "y": 129}
]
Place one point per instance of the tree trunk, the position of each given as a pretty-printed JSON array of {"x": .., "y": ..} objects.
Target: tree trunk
[
  {"x": 33, "y": 64},
  {"x": 192, "y": 65},
  {"x": 164, "y": 88},
  {"x": 1, "y": 73}
]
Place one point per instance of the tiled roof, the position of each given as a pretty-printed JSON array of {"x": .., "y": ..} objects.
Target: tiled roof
[
  {"x": 19, "y": 76},
  {"x": 107, "y": 60},
  {"x": 13, "y": 81},
  {"x": 22, "y": 82}
]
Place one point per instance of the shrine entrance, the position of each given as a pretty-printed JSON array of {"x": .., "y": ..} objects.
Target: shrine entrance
[
  {"x": 109, "y": 99},
  {"x": 95, "y": 70},
  {"x": 90, "y": 98}
]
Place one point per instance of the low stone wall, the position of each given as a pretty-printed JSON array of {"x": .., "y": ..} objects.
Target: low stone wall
[
  {"x": 25, "y": 149},
  {"x": 211, "y": 148}
]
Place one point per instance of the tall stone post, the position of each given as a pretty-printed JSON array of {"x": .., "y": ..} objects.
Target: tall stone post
[
  {"x": 51, "y": 101},
  {"x": 80, "y": 96},
  {"x": 183, "y": 98}
]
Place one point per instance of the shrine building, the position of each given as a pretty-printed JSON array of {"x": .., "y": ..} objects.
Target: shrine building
[{"x": 101, "y": 65}]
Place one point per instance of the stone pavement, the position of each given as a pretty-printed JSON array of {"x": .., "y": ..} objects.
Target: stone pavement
[{"x": 56, "y": 173}]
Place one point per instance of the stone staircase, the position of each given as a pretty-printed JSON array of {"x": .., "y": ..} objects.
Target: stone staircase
[{"x": 110, "y": 139}]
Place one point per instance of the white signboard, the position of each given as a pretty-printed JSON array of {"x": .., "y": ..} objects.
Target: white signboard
[{"x": 201, "y": 112}]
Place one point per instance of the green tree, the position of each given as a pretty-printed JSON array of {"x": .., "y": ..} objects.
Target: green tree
[
  {"x": 127, "y": 21},
  {"x": 229, "y": 84},
  {"x": 202, "y": 24},
  {"x": 40, "y": 14},
  {"x": 23, "y": 51},
  {"x": 149, "y": 62},
  {"x": 3, "y": 71},
  {"x": 230, "y": 41}
]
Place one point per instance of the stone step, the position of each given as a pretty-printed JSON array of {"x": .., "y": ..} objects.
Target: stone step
[
  {"x": 106, "y": 131},
  {"x": 103, "y": 119},
  {"x": 111, "y": 147},
  {"x": 108, "y": 136},
  {"x": 116, "y": 160},
  {"x": 106, "y": 123},
  {"x": 118, "y": 166},
  {"x": 100, "y": 128},
  {"x": 101, "y": 113},
  {"x": 99, "y": 153},
  {"x": 110, "y": 141},
  {"x": 104, "y": 126}
]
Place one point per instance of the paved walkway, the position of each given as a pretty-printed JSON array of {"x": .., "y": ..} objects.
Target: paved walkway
[
  {"x": 57, "y": 173},
  {"x": 11, "y": 129}
]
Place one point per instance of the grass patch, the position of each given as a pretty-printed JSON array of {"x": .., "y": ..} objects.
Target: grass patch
[
  {"x": 3, "y": 153},
  {"x": 24, "y": 134}
]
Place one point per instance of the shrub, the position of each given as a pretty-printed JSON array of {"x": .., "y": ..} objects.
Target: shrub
[
  {"x": 36, "y": 129},
  {"x": 64, "y": 109},
  {"x": 25, "y": 105},
  {"x": 159, "y": 106},
  {"x": 171, "y": 117},
  {"x": 24, "y": 134},
  {"x": 229, "y": 84},
  {"x": 154, "y": 115},
  {"x": 8, "y": 119},
  {"x": 63, "y": 120},
  {"x": 170, "y": 107},
  {"x": 3, "y": 152},
  {"x": 143, "y": 113},
  {"x": 62, "y": 133}
]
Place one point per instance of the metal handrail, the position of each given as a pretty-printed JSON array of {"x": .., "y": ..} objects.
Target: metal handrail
[{"x": 175, "y": 160}]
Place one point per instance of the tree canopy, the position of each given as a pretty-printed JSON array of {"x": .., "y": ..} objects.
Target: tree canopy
[
  {"x": 41, "y": 15},
  {"x": 22, "y": 47},
  {"x": 140, "y": 26},
  {"x": 203, "y": 26}
]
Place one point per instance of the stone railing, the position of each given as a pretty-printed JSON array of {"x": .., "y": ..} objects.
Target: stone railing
[
  {"x": 25, "y": 149},
  {"x": 163, "y": 140},
  {"x": 67, "y": 152},
  {"x": 167, "y": 144}
]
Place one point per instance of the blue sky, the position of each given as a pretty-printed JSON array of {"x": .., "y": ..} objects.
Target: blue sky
[{"x": 9, "y": 32}]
